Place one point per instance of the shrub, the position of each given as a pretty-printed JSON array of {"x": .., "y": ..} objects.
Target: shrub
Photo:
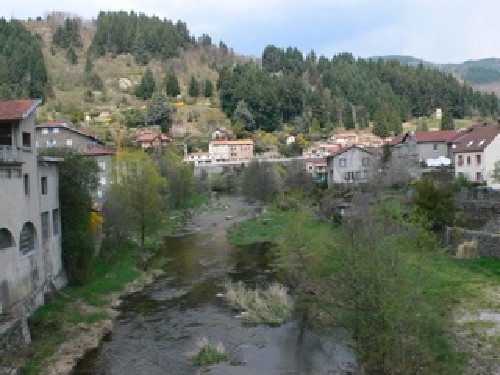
[
  {"x": 270, "y": 306},
  {"x": 207, "y": 354}
]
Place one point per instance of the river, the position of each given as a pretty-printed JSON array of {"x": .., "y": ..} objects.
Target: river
[{"x": 158, "y": 327}]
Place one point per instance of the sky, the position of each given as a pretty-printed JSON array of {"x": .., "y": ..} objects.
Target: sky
[{"x": 439, "y": 31}]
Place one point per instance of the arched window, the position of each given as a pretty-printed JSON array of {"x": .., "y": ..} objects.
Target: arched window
[
  {"x": 6, "y": 239},
  {"x": 27, "y": 240}
]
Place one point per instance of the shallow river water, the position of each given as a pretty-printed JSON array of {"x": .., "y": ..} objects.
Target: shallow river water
[{"x": 158, "y": 327}]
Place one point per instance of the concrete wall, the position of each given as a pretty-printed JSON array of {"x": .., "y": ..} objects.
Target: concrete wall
[{"x": 25, "y": 277}]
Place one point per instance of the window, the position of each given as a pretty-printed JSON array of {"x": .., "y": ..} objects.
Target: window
[
  {"x": 342, "y": 162},
  {"x": 100, "y": 194},
  {"x": 460, "y": 160},
  {"x": 26, "y": 181},
  {"x": 365, "y": 162},
  {"x": 5, "y": 136},
  {"x": 468, "y": 160},
  {"x": 55, "y": 131},
  {"x": 26, "y": 141},
  {"x": 102, "y": 180},
  {"x": 45, "y": 131},
  {"x": 479, "y": 177},
  {"x": 478, "y": 159},
  {"x": 102, "y": 165},
  {"x": 55, "y": 222},
  {"x": 69, "y": 142},
  {"x": 45, "y": 225},
  {"x": 6, "y": 239},
  {"x": 44, "y": 185},
  {"x": 435, "y": 146},
  {"x": 51, "y": 142},
  {"x": 27, "y": 239}
]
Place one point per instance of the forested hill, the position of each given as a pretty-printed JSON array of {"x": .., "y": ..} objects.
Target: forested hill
[
  {"x": 475, "y": 72},
  {"x": 22, "y": 67},
  {"x": 309, "y": 92}
]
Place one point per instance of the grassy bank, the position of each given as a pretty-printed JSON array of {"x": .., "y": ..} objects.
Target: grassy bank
[
  {"x": 53, "y": 323},
  {"x": 448, "y": 288}
]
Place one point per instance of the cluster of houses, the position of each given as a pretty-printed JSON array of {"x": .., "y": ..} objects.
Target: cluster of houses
[
  {"x": 348, "y": 158},
  {"x": 30, "y": 229}
]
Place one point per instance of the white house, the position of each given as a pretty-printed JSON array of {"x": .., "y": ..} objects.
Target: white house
[
  {"x": 476, "y": 152},
  {"x": 30, "y": 229},
  {"x": 351, "y": 165}
]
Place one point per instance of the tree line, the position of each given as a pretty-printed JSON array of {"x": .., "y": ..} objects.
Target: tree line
[
  {"x": 140, "y": 35},
  {"x": 23, "y": 73},
  {"x": 344, "y": 91}
]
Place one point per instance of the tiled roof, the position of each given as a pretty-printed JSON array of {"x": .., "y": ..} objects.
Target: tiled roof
[
  {"x": 476, "y": 138},
  {"x": 96, "y": 151},
  {"x": 422, "y": 136},
  {"x": 238, "y": 142},
  {"x": 342, "y": 150},
  {"x": 17, "y": 109}
]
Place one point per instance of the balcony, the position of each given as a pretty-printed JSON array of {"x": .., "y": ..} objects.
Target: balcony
[{"x": 8, "y": 154}]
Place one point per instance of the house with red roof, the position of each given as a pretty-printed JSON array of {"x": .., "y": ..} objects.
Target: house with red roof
[
  {"x": 151, "y": 140},
  {"x": 421, "y": 145},
  {"x": 30, "y": 229},
  {"x": 475, "y": 153}
]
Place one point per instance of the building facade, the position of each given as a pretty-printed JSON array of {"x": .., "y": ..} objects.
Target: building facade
[
  {"x": 476, "y": 152},
  {"x": 30, "y": 231},
  {"x": 350, "y": 165},
  {"x": 222, "y": 150}
]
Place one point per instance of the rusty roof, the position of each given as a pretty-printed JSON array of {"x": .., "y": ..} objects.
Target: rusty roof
[{"x": 17, "y": 109}]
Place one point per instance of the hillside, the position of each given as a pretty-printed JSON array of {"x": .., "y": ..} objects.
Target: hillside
[
  {"x": 482, "y": 74},
  {"x": 128, "y": 70}
]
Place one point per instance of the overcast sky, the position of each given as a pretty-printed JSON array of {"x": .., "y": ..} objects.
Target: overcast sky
[{"x": 439, "y": 31}]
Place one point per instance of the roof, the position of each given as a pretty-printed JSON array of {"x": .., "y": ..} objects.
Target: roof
[
  {"x": 53, "y": 124},
  {"x": 150, "y": 137},
  {"x": 238, "y": 142},
  {"x": 476, "y": 138},
  {"x": 17, "y": 109},
  {"x": 97, "y": 151},
  {"x": 345, "y": 149},
  {"x": 423, "y": 136}
]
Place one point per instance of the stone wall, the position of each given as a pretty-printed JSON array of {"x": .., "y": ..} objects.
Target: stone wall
[
  {"x": 488, "y": 243},
  {"x": 14, "y": 337}
]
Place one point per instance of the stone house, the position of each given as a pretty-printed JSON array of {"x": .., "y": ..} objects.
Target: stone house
[
  {"x": 30, "y": 230},
  {"x": 475, "y": 153},
  {"x": 350, "y": 165},
  {"x": 316, "y": 167}
]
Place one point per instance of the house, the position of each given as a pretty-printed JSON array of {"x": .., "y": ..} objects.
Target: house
[
  {"x": 231, "y": 150},
  {"x": 353, "y": 164},
  {"x": 475, "y": 153},
  {"x": 151, "y": 140},
  {"x": 425, "y": 144},
  {"x": 30, "y": 229},
  {"x": 222, "y": 134},
  {"x": 316, "y": 167},
  {"x": 198, "y": 158},
  {"x": 59, "y": 134}
]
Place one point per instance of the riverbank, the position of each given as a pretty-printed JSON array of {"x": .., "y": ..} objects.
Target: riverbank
[{"x": 77, "y": 318}]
